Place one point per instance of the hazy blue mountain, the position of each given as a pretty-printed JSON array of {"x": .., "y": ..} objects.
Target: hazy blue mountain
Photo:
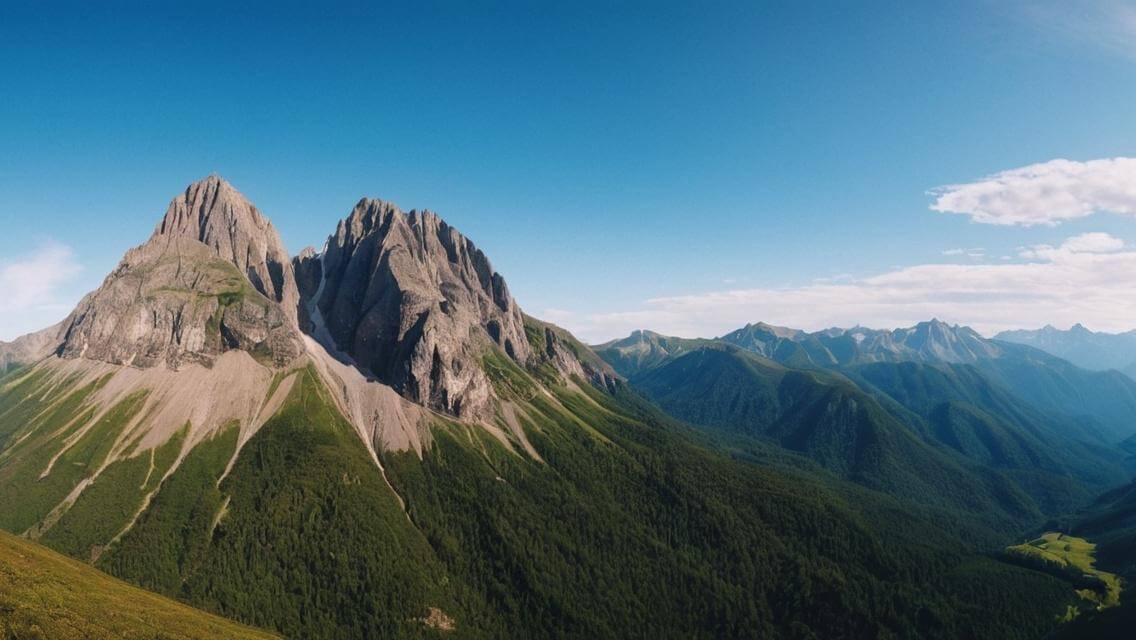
[
  {"x": 788, "y": 346},
  {"x": 1093, "y": 350},
  {"x": 1098, "y": 405},
  {"x": 910, "y": 429}
]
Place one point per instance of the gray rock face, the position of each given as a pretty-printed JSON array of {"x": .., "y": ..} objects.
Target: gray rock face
[
  {"x": 414, "y": 303},
  {"x": 932, "y": 341},
  {"x": 214, "y": 276},
  {"x": 570, "y": 357},
  {"x": 215, "y": 214},
  {"x": 29, "y": 348},
  {"x": 402, "y": 297}
]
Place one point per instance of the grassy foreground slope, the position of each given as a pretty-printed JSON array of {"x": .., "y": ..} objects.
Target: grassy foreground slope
[{"x": 47, "y": 595}]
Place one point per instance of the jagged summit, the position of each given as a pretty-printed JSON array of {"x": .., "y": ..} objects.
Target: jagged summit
[
  {"x": 215, "y": 214},
  {"x": 396, "y": 300},
  {"x": 642, "y": 350},
  {"x": 414, "y": 303},
  {"x": 1082, "y": 346},
  {"x": 213, "y": 277}
]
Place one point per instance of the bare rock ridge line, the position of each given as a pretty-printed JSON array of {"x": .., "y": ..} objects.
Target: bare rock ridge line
[
  {"x": 217, "y": 215},
  {"x": 399, "y": 306},
  {"x": 29, "y": 348},
  {"x": 209, "y": 323},
  {"x": 414, "y": 304},
  {"x": 213, "y": 277}
]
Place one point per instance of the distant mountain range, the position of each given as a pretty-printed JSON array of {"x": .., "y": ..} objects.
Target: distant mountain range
[
  {"x": 374, "y": 440},
  {"x": 1088, "y": 349},
  {"x": 1102, "y": 401}
]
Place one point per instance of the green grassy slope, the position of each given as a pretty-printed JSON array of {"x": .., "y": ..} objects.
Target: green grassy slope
[
  {"x": 1075, "y": 557},
  {"x": 632, "y": 524},
  {"x": 1104, "y": 401},
  {"x": 1111, "y": 524},
  {"x": 44, "y": 595},
  {"x": 631, "y": 519},
  {"x": 829, "y": 419},
  {"x": 302, "y": 536},
  {"x": 52, "y": 452},
  {"x": 940, "y": 432}
]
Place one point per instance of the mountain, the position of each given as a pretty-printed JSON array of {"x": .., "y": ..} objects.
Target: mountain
[
  {"x": 825, "y": 417},
  {"x": 1096, "y": 351},
  {"x": 47, "y": 595},
  {"x": 212, "y": 278},
  {"x": 1099, "y": 405},
  {"x": 788, "y": 346},
  {"x": 376, "y": 441},
  {"x": 932, "y": 341},
  {"x": 28, "y": 349},
  {"x": 1052, "y": 458},
  {"x": 1048, "y": 428},
  {"x": 413, "y": 303},
  {"x": 643, "y": 350},
  {"x": 1103, "y": 403},
  {"x": 925, "y": 432}
]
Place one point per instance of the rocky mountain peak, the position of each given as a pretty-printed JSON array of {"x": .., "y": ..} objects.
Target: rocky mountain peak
[
  {"x": 412, "y": 302},
  {"x": 212, "y": 212},
  {"x": 213, "y": 277}
]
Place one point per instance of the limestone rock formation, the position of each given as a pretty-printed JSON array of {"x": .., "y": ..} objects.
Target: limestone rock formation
[
  {"x": 214, "y": 276},
  {"x": 414, "y": 303},
  {"x": 403, "y": 299}
]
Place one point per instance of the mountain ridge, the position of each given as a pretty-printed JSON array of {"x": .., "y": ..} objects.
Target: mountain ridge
[
  {"x": 1097, "y": 351},
  {"x": 384, "y": 443}
]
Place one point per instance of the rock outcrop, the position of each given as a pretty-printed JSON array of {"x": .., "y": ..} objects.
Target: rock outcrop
[
  {"x": 213, "y": 277},
  {"x": 404, "y": 299},
  {"x": 415, "y": 304}
]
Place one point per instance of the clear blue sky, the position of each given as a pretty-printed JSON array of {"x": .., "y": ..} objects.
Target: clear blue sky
[{"x": 602, "y": 156}]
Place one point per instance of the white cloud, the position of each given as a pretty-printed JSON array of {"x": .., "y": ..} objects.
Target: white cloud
[
  {"x": 1044, "y": 194},
  {"x": 1084, "y": 243},
  {"x": 32, "y": 289},
  {"x": 976, "y": 253},
  {"x": 1094, "y": 243},
  {"x": 1086, "y": 279}
]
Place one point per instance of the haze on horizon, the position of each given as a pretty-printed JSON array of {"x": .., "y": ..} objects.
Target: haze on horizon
[{"x": 814, "y": 167}]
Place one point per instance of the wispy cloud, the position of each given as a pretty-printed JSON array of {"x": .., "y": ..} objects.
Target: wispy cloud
[
  {"x": 1085, "y": 279},
  {"x": 1044, "y": 194},
  {"x": 976, "y": 253},
  {"x": 32, "y": 288}
]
